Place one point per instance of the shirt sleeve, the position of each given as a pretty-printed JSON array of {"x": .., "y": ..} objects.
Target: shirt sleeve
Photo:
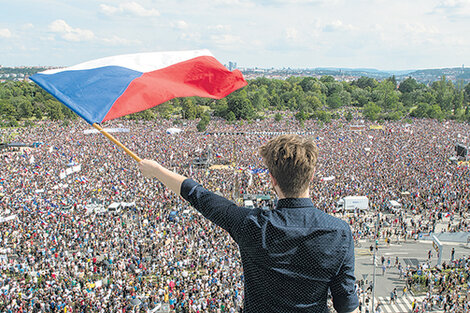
[
  {"x": 343, "y": 288},
  {"x": 215, "y": 208}
]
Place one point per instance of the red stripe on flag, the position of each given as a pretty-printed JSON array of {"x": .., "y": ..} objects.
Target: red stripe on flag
[{"x": 202, "y": 76}]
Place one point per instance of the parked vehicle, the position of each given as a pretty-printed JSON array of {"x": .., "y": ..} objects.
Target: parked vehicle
[{"x": 353, "y": 204}]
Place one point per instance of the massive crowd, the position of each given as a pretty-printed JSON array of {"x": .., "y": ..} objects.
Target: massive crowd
[{"x": 57, "y": 256}]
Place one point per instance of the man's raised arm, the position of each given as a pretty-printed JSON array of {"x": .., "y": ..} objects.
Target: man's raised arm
[{"x": 170, "y": 179}]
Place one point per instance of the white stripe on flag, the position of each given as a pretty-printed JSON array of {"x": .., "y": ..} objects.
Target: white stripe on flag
[{"x": 141, "y": 62}]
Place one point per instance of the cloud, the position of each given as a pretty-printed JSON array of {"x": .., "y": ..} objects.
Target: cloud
[
  {"x": 69, "y": 33},
  {"x": 195, "y": 37},
  {"x": 219, "y": 28},
  {"x": 337, "y": 26},
  {"x": 296, "y": 2},
  {"x": 452, "y": 4},
  {"x": 5, "y": 33},
  {"x": 453, "y": 9},
  {"x": 421, "y": 29},
  {"x": 226, "y": 40},
  {"x": 292, "y": 34},
  {"x": 301, "y": 1},
  {"x": 131, "y": 8},
  {"x": 118, "y": 41},
  {"x": 28, "y": 26},
  {"x": 179, "y": 25},
  {"x": 238, "y": 3}
]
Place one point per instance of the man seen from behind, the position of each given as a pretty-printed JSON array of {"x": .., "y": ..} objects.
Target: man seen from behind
[{"x": 292, "y": 255}]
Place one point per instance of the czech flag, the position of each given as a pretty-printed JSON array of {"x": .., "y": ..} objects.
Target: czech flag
[{"x": 107, "y": 88}]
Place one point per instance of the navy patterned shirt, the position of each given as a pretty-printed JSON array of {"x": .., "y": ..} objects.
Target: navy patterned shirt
[{"x": 292, "y": 255}]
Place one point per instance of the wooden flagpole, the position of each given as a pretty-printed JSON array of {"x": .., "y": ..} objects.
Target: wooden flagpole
[{"x": 114, "y": 140}]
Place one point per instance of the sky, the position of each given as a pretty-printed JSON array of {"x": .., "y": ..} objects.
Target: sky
[{"x": 380, "y": 34}]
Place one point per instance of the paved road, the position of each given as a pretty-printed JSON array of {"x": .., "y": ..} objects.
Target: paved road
[
  {"x": 402, "y": 305},
  {"x": 412, "y": 252}
]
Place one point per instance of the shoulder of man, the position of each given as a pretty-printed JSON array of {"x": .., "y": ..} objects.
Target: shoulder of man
[{"x": 334, "y": 221}]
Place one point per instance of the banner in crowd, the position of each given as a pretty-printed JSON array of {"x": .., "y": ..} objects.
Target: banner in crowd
[
  {"x": 8, "y": 218},
  {"x": 70, "y": 170},
  {"x": 109, "y": 130}
]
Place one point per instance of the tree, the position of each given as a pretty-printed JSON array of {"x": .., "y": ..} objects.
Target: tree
[
  {"x": 292, "y": 104},
  {"x": 444, "y": 93},
  {"x": 221, "y": 108},
  {"x": 327, "y": 79},
  {"x": 145, "y": 115},
  {"x": 408, "y": 85},
  {"x": 12, "y": 122},
  {"x": 345, "y": 98},
  {"x": 231, "y": 116},
  {"x": 421, "y": 110},
  {"x": 38, "y": 112},
  {"x": 292, "y": 99},
  {"x": 189, "y": 110},
  {"x": 365, "y": 82},
  {"x": 301, "y": 116},
  {"x": 69, "y": 114},
  {"x": 334, "y": 101},
  {"x": 371, "y": 111},
  {"x": 202, "y": 125},
  {"x": 386, "y": 95},
  {"x": 54, "y": 112},
  {"x": 349, "y": 116},
  {"x": 278, "y": 117},
  {"x": 259, "y": 99},
  {"x": 312, "y": 102},
  {"x": 241, "y": 107},
  {"x": 393, "y": 80},
  {"x": 360, "y": 97},
  {"x": 334, "y": 87},
  {"x": 467, "y": 93},
  {"x": 309, "y": 84},
  {"x": 435, "y": 112},
  {"x": 322, "y": 116},
  {"x": 274, "y": 100},
  {"x": 25, "y": 108},
  {"x": 164, "y": 109},
  {"x": 7, "y": 109},
  {"x": 458, "y": 101},
  {"x": 393, "y": 116}
]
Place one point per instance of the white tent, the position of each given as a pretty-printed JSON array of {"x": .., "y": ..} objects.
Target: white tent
[
  {"x": 8, "y": 218},
  {"x": 109, "y": 130},
  {"x": 172, "y": 131}
]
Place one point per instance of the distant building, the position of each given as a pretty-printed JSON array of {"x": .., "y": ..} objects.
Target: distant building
[{"x": 232, "y": 65}]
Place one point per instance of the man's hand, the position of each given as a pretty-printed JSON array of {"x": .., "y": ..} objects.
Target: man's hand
[
  {"x": 148, "y": 168},
  {"x": 170, "y": 179}
]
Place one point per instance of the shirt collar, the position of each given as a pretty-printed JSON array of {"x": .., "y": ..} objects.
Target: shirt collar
[{"x": 294, "y": 203}]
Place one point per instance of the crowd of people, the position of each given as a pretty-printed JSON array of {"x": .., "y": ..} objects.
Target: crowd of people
[
  {"x": 446, "y": 286},
  {"x": 60, "y": 256}
]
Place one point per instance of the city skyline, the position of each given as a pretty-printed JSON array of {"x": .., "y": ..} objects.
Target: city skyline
[{"x": 253, "y": 33}]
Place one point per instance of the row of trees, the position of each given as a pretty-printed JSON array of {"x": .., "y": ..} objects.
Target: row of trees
[
  {"x": 315, "y": 98},
  {"x": 309, "y": 97},
  {"x": 25, "y": 101}
]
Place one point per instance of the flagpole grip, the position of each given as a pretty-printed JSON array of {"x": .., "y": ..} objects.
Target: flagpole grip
[{"x": 115, "y": 141}]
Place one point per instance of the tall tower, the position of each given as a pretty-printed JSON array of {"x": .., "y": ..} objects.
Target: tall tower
[{"x": 232, "y": 65}]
